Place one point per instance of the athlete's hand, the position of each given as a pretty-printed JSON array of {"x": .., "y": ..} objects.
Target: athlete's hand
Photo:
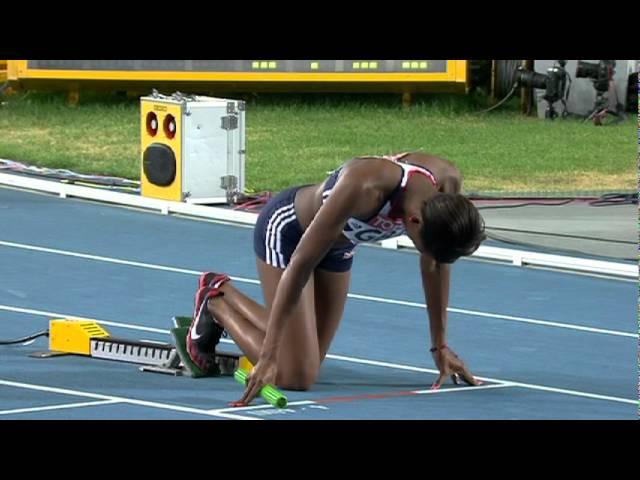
[
  {"x": 450, "y": 364},
  {"x": 263, "y": 373}
]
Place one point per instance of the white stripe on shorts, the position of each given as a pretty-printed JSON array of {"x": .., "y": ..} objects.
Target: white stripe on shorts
[
  {"x": 278, "y": 237},
  {"x": 275, "y": 219}
]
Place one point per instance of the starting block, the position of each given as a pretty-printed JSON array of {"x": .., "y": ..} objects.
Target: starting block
[{"x": 88, "y": 338}]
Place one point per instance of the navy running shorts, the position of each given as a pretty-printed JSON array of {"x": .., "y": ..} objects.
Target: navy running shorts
[{"x": 278, "y": 232}]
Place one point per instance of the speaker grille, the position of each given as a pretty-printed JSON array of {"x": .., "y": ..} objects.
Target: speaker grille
[{"x": 159, "y": 164}]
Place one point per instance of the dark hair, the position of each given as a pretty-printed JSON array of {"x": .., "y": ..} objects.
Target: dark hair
[{"x": 452, "y": 227}]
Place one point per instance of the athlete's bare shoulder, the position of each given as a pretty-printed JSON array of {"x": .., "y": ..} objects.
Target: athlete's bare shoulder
[
  {"x": 372, "y": 173},
  {"x": 373, "y": 178}
]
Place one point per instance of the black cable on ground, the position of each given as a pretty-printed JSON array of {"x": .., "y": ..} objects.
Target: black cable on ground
[
  {"x": 527, "y": 204},
  {"x": 44, "y": 333},
  {"x": 610, "y": 199},
  {"x": 562, "y": 235},
  {"x": 67, "y": 175},
  {"x": 553, "y": 249},
  {"x": 509, "y": 95},
  {"x": 606, "y": 200}
]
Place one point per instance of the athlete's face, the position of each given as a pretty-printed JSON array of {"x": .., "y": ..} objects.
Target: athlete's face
[{"x": 413, "y": 226}]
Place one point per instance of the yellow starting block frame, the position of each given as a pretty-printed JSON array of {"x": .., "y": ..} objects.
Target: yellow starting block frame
[{"x": 74, "y": 336}]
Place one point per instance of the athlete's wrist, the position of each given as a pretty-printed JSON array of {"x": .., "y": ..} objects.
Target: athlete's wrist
[
  {"x": 438, "y": 348},
  {"x": 438, "y": 337}
]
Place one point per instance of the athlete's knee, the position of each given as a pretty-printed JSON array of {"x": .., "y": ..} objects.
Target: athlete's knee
[{"x": 299, "y": 379}]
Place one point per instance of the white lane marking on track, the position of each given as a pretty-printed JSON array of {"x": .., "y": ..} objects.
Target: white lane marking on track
[
  {"x": 58, "y": 407},
  {"x": 132, "y": 401},
  {"x": 361, "y": 361},
  {"x": 476, "y": 313}
]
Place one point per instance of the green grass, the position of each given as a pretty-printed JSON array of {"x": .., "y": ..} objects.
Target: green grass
[{"x": 295, "y": 139}]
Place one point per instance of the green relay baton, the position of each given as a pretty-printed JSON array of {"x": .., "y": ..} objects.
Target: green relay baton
[{"x": 270, "y": 393}]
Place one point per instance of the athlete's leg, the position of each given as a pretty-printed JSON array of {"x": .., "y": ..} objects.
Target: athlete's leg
[
  {"x": 330, "y": 291},
  {"x": 245, "y": 306},
  {"x": 298, "y": 356}
]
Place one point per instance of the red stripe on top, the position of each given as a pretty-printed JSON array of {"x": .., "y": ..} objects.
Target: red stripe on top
[
  {"x": 422, "y": 172},
  {"x": 394, "y": 211}
]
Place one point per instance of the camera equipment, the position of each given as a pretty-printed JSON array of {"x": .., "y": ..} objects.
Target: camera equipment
[
  {"x": 601, "y": 74},
  {"x": 556, "y": 84}
]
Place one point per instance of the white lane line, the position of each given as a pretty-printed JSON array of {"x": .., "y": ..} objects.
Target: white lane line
[
  {"x": 321, "y": 401},
  {"x": 260, "y": 407},
  {"x": 132, "y": 401},
  {"x": 487, "y": 379},
  {"x": 499, "y": 316},
  {"x": 476, "y": 313},
  {"x": 463, "y": 389},
  {"x": 57, "y": 407},
  {"x": 361, "y": 361}
]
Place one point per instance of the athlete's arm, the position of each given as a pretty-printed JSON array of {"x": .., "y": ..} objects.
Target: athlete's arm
[
  {"x": 316, "y": 241},
  {"x": 348, "y": 196},
  {"x": 436, "y": 280}
]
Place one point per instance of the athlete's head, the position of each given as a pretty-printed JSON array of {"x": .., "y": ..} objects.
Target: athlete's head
[{"x": 451, "y": 227}]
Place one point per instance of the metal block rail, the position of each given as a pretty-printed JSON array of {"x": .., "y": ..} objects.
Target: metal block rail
[
  {"x": 142, "y": 352},
  {"x": 88, "y": 338}
]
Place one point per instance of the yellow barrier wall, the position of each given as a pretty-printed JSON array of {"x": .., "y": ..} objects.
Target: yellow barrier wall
[{"x": 245, "y": 75}]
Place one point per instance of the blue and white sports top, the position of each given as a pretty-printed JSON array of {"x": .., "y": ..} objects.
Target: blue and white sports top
[{"x": 387, "y": 223}]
